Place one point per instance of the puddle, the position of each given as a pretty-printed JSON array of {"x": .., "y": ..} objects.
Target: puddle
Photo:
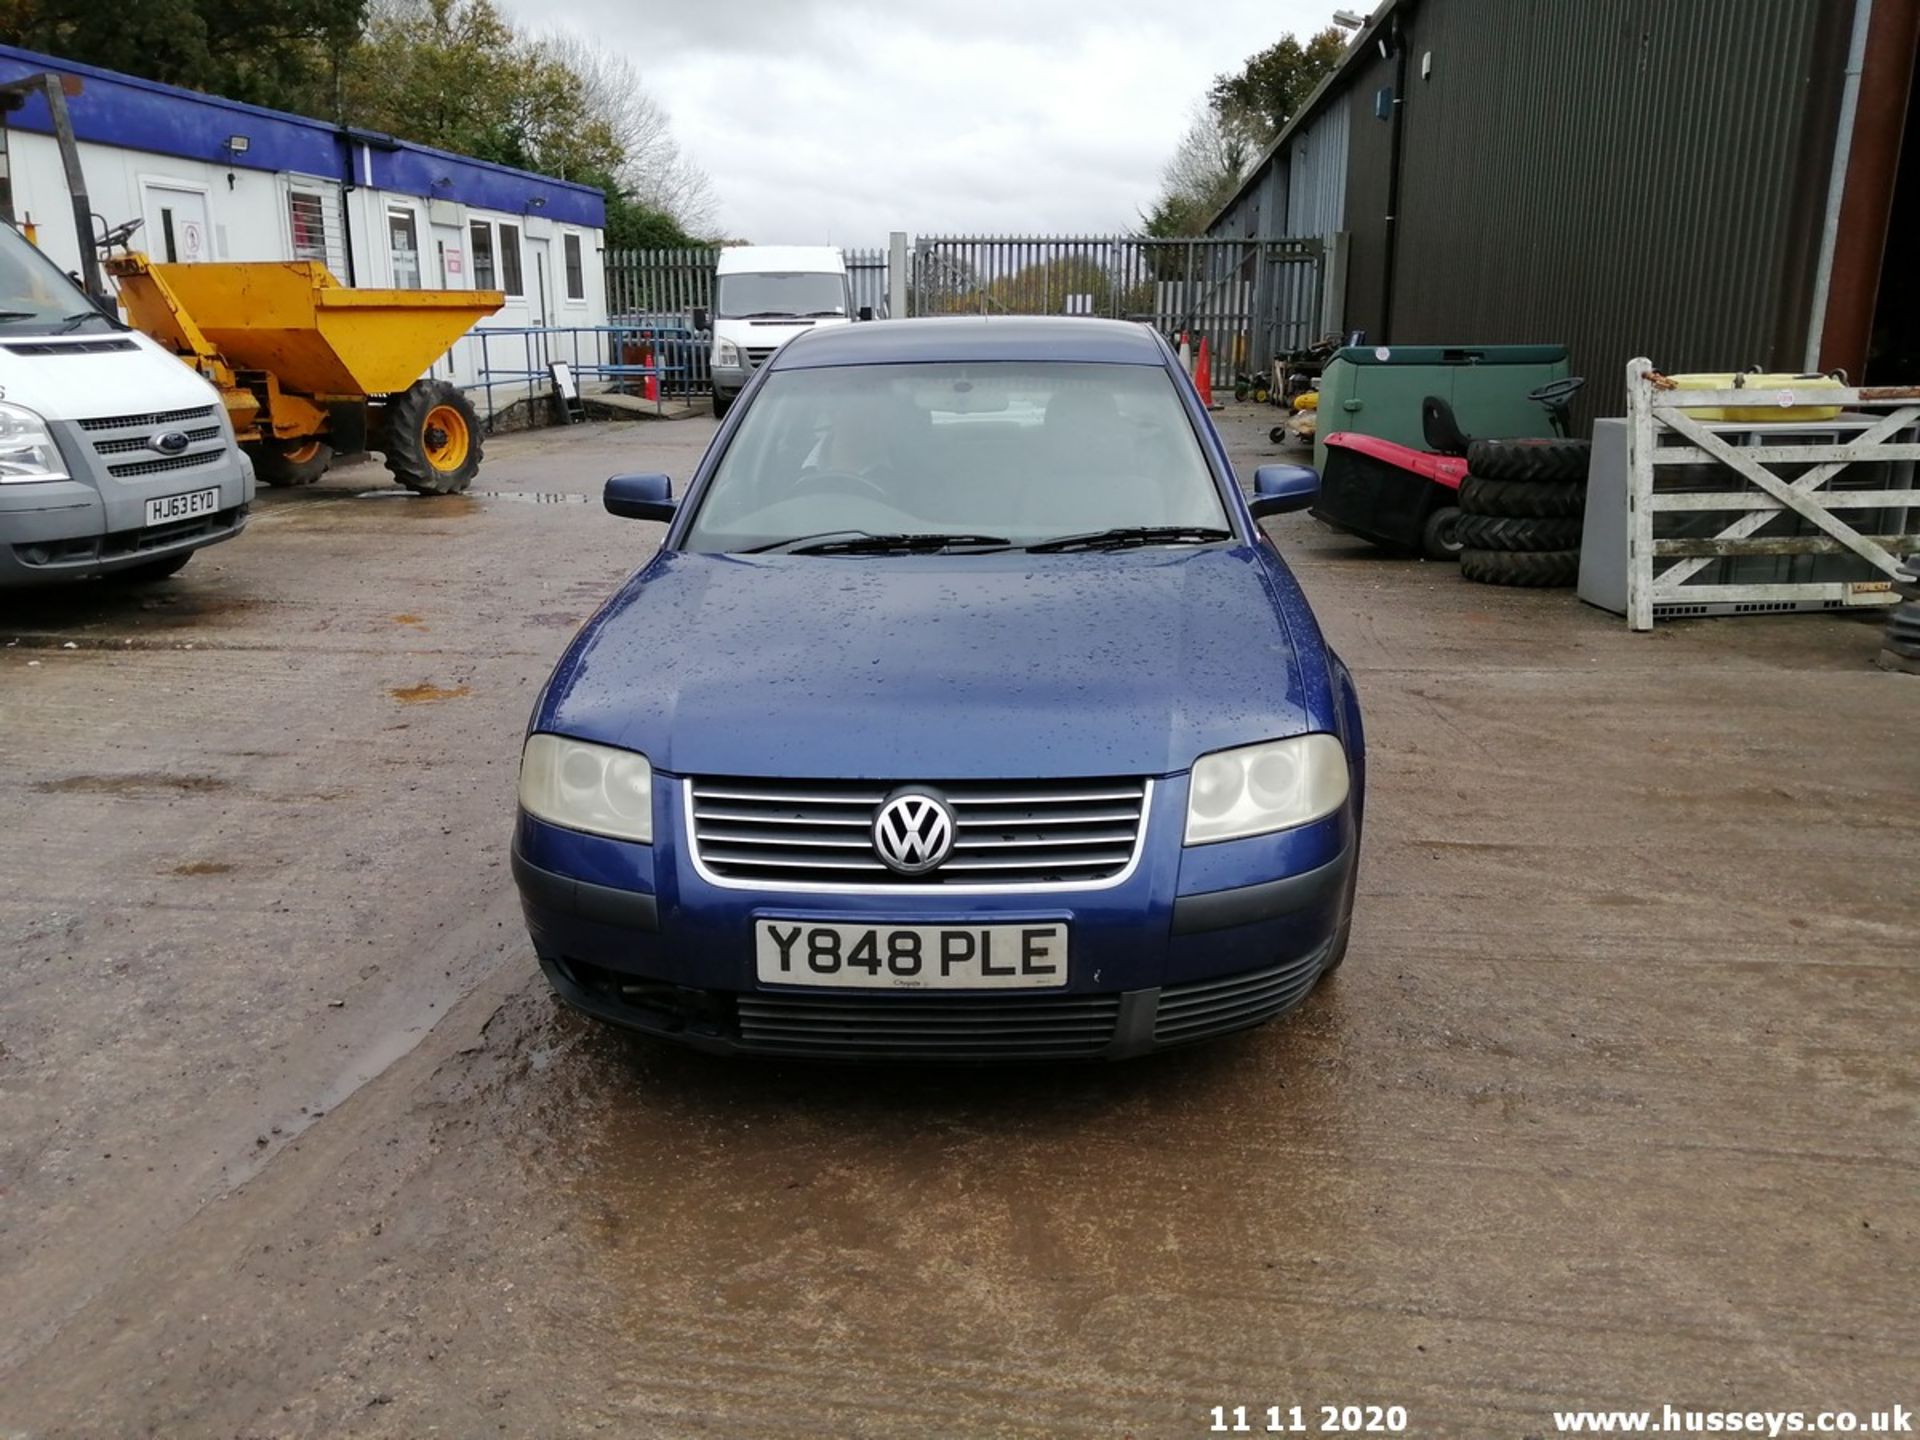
[
  {"x": 532, "y": 497},
  {"x": 424, "y": 507},
  {"x": 427, "y": 693},
  {"x": 129, "y": 784}
]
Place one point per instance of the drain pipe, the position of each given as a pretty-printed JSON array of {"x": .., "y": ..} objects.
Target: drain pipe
[
  {"x": 1837, "y": 183},
  {"x": 1398, "y": 36}
]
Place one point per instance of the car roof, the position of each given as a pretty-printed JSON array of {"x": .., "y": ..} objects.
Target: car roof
[
  {"x": 775, "y": 259},
  {"x": 972, "y": 337}
]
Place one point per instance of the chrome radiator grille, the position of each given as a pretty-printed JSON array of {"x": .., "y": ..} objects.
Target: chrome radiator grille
[{"x": 1010, "y": 834}]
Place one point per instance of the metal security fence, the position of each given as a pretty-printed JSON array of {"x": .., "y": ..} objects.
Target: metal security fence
[
  {"x": 867, "y": 272},
  {"x": 1251, "y": 299},
  {"x": 660, "y": 282},
  {"x": 660, "y": 291}
]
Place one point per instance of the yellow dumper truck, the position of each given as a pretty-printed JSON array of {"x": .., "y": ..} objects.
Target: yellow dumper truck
[{"x": 307, "y": 366}]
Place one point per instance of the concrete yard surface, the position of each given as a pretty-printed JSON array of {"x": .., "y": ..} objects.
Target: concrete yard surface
[{"x": 1614, "y": 1104}]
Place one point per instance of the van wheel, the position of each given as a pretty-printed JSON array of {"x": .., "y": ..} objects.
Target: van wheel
[
  {"x": 431, "y": 435},
  {"x": 721, "y": 404},
  {"x": 155, "y": 569},
  {"x": 290, "y": 462}
]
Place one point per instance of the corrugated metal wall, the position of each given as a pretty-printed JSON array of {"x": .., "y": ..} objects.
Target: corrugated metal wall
[
  {"x": 1317, "y": 175},
  {"x": 1627, "y": 176},
  {"x": 1368, "y": 140}
]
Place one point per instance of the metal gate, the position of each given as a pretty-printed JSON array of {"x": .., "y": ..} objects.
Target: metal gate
[
  {"x": 1251, "y": 299},
  {"x": 1750, "y": 516}
]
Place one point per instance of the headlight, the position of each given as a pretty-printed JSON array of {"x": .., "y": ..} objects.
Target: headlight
[
  {"x": 1257, "y": 789},
  {"x": 587, "y": 787},
  {"x": 27, "y": 451},
  {"x": 725, "y": 352}
]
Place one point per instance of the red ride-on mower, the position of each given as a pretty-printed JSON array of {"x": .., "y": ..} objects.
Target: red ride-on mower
[{"x": 1406, "y": 499}]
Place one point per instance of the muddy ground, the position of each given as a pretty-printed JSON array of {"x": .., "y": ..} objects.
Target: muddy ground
[{"x": 1615, "y": 1102}]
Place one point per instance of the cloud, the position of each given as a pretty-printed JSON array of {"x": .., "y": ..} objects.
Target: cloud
[{"x": 840, "y": 120}]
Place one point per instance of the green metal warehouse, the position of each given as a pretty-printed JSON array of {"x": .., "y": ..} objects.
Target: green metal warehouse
[{"x": 1715, "y": 186}]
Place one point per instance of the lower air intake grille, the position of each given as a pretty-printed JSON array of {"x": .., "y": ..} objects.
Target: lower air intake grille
[
  {"x": 1233, "y": 1002},
  {"x": 1009, "y": 834},
  {"x": 128, "y": 470},
  {"x": 1047, "y": 1027}
]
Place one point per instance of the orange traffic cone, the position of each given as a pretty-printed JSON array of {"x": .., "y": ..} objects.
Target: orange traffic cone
[
  {"x": 650, "y": 386},
  {"x": 1203, "y": 374}
]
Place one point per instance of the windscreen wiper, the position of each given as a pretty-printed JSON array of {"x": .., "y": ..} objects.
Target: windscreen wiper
[
  {"x": 763, "y": 315},
  {"x": 844, "y": 542},
  {"x": 75, "y": 320},
  {"x": 1123, "y": 536}
]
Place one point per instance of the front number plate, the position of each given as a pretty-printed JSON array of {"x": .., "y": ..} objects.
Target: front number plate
[
  {"x": 911, "y": 957},
  {"x": 182, "y": 507}
]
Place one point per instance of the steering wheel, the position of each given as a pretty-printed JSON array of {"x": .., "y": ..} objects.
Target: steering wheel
[
  {"x": 841, "y": 482},
  {"x": 1557, "y": 392},
  {"x": 119, "y": 234}
]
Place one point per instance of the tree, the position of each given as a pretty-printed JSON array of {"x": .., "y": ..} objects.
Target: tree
[
  {"x": 457, "y": 74},
  {"x": 1243, "y": 112},
  {"x": 282, "y": 53},
  {"x": 654, "y": 176},
  {"x": 1201, "y": 176},
  {"x": 1270, "y": 88}
]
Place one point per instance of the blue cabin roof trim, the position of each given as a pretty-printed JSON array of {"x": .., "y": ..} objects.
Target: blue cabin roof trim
[{"x": 129, "y": 113}]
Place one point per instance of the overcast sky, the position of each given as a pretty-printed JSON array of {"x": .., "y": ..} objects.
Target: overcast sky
[{"x": 836, "y": 121}]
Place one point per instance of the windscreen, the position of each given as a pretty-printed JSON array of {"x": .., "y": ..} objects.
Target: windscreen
[
  {"x": 33, "y": 290},
  {"x": 781, "y": 295},
  {"x": 1025, "y": 451}
]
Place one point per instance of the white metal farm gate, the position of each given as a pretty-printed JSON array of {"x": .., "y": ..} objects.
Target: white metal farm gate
[{"x": 1788, "y": 492}]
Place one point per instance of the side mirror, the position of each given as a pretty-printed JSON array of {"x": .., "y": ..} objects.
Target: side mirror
[
  {"x": 700, "y": 317},
  {"x": 640, "y": 497},
  {"x": 866, "y": 312},
  {"x": 1278, "y": 489}
]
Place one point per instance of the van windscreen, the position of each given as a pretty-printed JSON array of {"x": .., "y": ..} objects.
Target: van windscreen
[{"x": 782, "y": 295}]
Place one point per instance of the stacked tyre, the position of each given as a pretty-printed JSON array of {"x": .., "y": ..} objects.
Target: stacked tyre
[
  {"x": 1902, "y": 650},
  {"x": 1522, "y": 504}
]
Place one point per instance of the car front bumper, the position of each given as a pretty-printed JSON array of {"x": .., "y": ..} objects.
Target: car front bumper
[{"x": 1196, "y": 942}]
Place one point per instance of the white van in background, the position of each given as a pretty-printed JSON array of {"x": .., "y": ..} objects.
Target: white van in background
[
  {"x": 115, "y": 458},
  {"x": 765, "y": 295}
]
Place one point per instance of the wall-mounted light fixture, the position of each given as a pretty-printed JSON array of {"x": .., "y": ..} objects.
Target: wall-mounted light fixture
[
  {"x": 236, "y": 146},
  {"x": 1347, "y": 20},
  {"x": 538, "y": 202}
]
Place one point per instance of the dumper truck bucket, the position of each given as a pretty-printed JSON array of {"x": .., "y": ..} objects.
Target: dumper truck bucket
[{"x": 317, "y": 336}]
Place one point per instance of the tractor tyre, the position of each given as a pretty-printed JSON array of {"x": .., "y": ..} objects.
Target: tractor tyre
[
  {"x": 1506, "y": 532},
  {"x": 1534, "y": 569},
  {"x": 431, "y": 435},
  {"x": 1442, "y": 537},
  {"x": 1536, "y": 460},
  {"x": 1524, "y": 499},
  {"x": 290, "y": 462}
]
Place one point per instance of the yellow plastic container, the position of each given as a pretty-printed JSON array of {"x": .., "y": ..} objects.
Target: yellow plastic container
[
  {"x": 1307, "y": 400},
  {"x": 315, "y": 335},
  {"x": 1769, "y": 391}
]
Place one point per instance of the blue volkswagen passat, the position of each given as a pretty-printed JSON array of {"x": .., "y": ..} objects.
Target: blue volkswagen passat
[{"x": 964, "y": 713}]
